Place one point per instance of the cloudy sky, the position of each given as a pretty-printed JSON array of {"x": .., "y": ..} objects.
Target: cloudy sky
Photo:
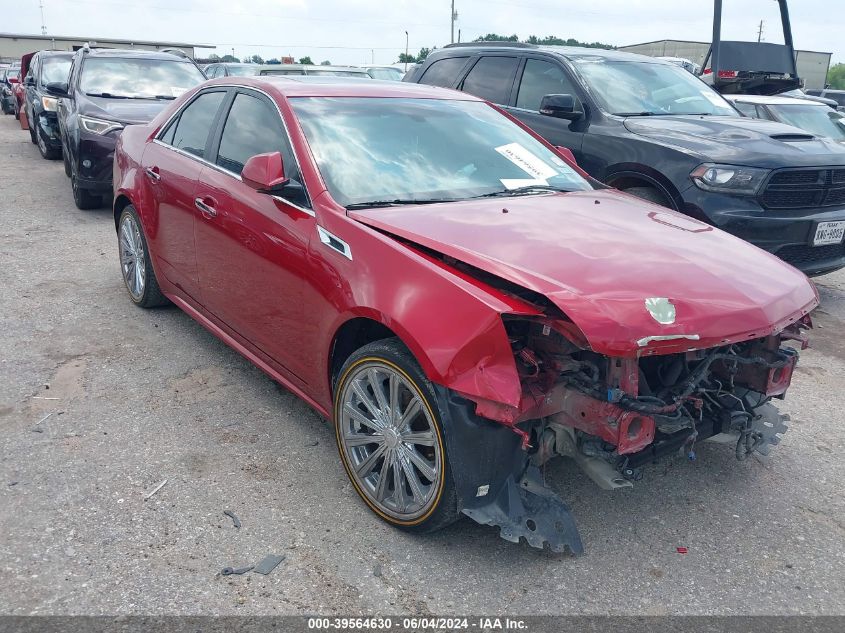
[{"x": 367, "y": 31}]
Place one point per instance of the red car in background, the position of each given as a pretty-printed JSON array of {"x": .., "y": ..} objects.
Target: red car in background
[
  {"x": 452, "y": 293},
  {"x": 19, "y": 91}
]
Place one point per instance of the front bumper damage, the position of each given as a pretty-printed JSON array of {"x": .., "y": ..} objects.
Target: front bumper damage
[{"x": 612, "y": 416}]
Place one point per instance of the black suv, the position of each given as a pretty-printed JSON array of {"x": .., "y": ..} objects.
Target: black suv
[
  {"x": 654, "y": 130},
  {"x": 107, "y": 90},
  {"x": 46, "y": 67}
]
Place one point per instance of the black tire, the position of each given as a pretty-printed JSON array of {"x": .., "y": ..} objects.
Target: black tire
[
  {"x": 16, "y": 112},
  {"x": 32, "y": 132},
  {"x": 152, "y": 296},
  {"x": 442, "y": 510},
  {"x": 47, "y": 152},
  {"x": 650, "y": 194},
  {"x": 83, "y": 198}
]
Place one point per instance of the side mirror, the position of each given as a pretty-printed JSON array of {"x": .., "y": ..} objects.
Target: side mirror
[
  {"x": 561, "y": 107},
  {"x": 57, "y": 88},
  {"x": 265, "y": 173}
]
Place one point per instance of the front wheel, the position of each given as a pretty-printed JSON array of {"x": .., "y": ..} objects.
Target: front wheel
[
  {"x": 47, "y": 153},
  {"x": 390, "y": 437},
  {"x": 83, "y": 198}
]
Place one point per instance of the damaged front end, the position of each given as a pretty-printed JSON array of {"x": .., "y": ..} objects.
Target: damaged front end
[{"x": 612, "y": 415}]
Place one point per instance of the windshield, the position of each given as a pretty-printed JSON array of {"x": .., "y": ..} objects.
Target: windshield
[
  {"x": 818, "y": 119},
  {"x": 55, "y": 69},
  {"x": 138, "y": 78},
  {"x": 387, "y": 74},
  {"x": 643, "y": 88},
  {"x": 384, "y": 149},
  {"x": 242, "y": 71},
  {"x": 13, "y": 73}
]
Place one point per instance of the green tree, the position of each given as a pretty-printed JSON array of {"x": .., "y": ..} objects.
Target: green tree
[
  {"x": 273, "y": 60},
  {"x": 325, "y": 62},
  {"x": 230, "y": 59},
  {"x": 494, "y": 37},
  {"x": 836, "y": 77},
  {"x": 424, "y": 51},
  {"x": 549, "y": 40},
  {"x": 256, "y": 59},
  {"x": 214, "y": 56},
  {"x": 306, "y": 60},
  {"x": 407, "y": 59}
]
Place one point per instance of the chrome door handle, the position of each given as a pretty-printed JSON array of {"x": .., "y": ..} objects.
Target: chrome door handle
[
  {"x": 154, "y": 175},
  {"x": 207, "y": 211}
]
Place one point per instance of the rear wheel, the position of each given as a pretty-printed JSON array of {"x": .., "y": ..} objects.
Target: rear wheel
[
  {"x": 32, "y": 126},
  {"x": 135, "y": 263},
  {"x": 650, "y": 194},
  {"x": 66, "y": 161},
  {"x": 83, "y": 198},
  {"x": 390, "y": 438}
]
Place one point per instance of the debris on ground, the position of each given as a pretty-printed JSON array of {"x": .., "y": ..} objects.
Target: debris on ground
[
  {"x": 155, "y": 490},
  {"x": 228, "y": 571},
  {"x": 44, "y": 418},
  {"x": 682, "y": 550},
  {"x": 235, "y": 520},
  {"x": 270, "y": 562}
]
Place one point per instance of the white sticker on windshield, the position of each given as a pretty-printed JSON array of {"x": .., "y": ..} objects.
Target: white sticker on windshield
[
  {"x": 526, "y": 161},
  {"x": 177, "y": 92},
  {"x": 516, "y": 183}
]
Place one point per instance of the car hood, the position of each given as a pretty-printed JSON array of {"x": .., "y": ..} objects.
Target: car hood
[
  {"x": 739, "y": 141},
  {"x": 600, "y": 255},
  {"x": 127, "y": 111}
]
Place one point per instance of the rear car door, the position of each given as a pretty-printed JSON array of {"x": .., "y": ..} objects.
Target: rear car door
[
  {"x": 251, "y": 246},
  {"x": 172, "y": 165},
  {"x": 491, "y": 78},
  {"x": 539, "y": 77}
]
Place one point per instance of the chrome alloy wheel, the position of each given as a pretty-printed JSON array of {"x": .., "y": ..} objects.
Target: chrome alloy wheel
[
  {"x": 390, "y": 441},
  {"x": 133, "y": 260}
]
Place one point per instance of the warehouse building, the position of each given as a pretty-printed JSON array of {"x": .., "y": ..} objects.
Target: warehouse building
[
  {"x": 812, "y": 65},
  {"x": 14, "y": 45}
]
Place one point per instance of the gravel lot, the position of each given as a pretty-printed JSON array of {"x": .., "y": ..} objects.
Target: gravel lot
[{"x": 137, "y": 397}]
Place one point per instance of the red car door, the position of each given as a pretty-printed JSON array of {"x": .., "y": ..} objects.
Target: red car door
[
  {"x": 172, "y": 170},
  {"x": 251, "y": 246}
]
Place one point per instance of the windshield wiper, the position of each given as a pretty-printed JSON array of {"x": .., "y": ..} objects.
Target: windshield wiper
[
  {"x": 394, "y": 203},
  {"x": 106, "y": 95},
  {"x": 166, "y": 97},
  {"x": 646, "y": 113},
  {"x": 521, "y": 191}
]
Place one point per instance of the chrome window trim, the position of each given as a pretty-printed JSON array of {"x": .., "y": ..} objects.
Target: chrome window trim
[
  {"x": 179, "y": 111},
  {"x": 334, "y": 242}
]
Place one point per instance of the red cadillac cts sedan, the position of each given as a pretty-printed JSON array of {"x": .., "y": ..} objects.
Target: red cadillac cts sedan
[{"x": 453, "y": 293}]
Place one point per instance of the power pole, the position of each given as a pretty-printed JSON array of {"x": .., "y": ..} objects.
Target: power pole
[
  {"x": 760, "y": 32},
  {"x": 454, "y": 17},
  {"x": 43, "y": 25}
]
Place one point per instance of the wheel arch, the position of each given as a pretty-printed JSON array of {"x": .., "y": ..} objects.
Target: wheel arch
[
  {"x": 121, "y": 201},
  {"x": 626, "y": 176}
]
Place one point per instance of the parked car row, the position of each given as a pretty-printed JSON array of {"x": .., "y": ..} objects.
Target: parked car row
[
  {"x": 227, "y": 69},
  {"x": 647, "y": 127},
  {"x": 440, "y": 278}
]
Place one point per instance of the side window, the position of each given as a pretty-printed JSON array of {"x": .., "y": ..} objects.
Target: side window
[
  {"x": 541, "y": 78},
  {"x": 252, "y": 127},
  {"x": 748, "y": 109},
  {"x": 443, "y": 72},
  {"x": 190, "y": 132},
  {"x": 491, "y": 78},
  {"x": 763, "y": 113}
]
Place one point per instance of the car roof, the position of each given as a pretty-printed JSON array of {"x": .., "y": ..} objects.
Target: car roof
[
  {"x": 134, "y": 53},
  {"x": 327, "y": 86},
  {"x": 569, "y": 52},
  {"x": 67, "y": 54},
  {"x": 773, "y": 100}
]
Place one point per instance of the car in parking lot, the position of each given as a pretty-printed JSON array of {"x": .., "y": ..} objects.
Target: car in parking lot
[
  {"x": 45, "y": 67},
  {"x": 836, "y": 95},
  {"x": 9, "y": 79},
  {"x": 249, "y": 70},
  {"x": 452, "y": 292},
  {"x": 816, "y": 118},
  {"x": 107, "y": 90},
  {"x": 647, "y": 127},
  {"x": 385, "y": 73}
]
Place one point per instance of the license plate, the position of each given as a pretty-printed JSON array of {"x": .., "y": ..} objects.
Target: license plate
[{"x": 829, "y": 233}]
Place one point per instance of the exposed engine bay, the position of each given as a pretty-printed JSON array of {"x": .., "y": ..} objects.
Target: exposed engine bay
[{"x": 615, "y": 415}]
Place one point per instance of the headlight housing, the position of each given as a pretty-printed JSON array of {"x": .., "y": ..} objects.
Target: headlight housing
[
  {"x": 98, "y": 126},
  {"x": 49, "y": 103},
  {"x": 731, "y": 179}
]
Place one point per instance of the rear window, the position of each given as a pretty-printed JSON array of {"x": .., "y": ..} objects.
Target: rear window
[{"x": 443, "y": 72}]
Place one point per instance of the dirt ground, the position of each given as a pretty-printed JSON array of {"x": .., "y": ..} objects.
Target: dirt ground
[{"x": 137, "y": 397}]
